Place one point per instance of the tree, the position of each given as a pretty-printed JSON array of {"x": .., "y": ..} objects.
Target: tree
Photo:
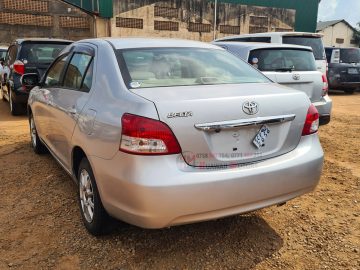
[{"x": 356, "y": 36}]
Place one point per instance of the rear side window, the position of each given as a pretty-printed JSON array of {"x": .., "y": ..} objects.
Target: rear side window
[
  {"x": 11, "y": 56},
  {"x": 350, "y": 55},
  {"x": 250, "y": 39},
  {"x": 163, "y": 67},
  {"x": 314, "y": 42},
  {"x": 328, "y": 53},
  {"x": 42, "y": 53},
  {"x": 2, "y": 54},
  {"x": 282, "y": 60},
  {"x": 77, "y": 70},
  {"x": 53, "y": 76}
]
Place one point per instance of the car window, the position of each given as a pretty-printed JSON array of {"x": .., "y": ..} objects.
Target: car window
[
  {"x": 43, "y": 53},
  {"x": 86, "y": 85},
  {"x": 328, "y": 53},
  {"x": 76, "y": 70},
  {"x": 350, "y": 55},
  {"x": 250, "y": 39},
  {"x": 282, "y": 60},
  {"x": 2, "y": 54},
  {"x": 162, "y": 67},
  {"x": 11, "y": 56},
  {"x": 314, "y": 42},
  {"x": 53, "y": 76}
]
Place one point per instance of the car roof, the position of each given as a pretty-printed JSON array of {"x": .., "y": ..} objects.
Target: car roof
[
  {"x": 271, "y": 34},
  {"x": 21, "y": 40},
  {"x": 134, "y": 42},
  {"x": 4, "y": 47},
  {"x": 259, "y": 45}
]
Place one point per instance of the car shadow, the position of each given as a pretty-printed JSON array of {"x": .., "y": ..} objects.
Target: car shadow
[
  {"x": 342, "y": 93},
  {"x": 240, "y": 242}
]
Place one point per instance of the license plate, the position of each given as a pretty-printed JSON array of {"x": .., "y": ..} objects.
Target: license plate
[
  {"x": 259, "y": 140},
  {"x": 353, "y": 71}
]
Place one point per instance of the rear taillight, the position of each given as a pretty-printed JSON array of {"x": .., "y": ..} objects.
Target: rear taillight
[
  {"x": 312, "y": 121},
  {"x": 19, "y": 67},
  {"x": 145, "y": 136},
  {"x": 325, "y": 88}
]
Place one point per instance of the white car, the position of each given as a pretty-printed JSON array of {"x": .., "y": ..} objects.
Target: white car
[
  {"x": 290, "y": 65},
  {"x": 313, "y": 40}
]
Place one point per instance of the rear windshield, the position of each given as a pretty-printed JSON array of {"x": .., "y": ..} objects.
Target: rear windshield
[
  {"x": 282, "y": 60},
  {"x": 162, "y": 67},
  {"x": 42, "y": 53},
  {"x": 314, "y": 42},
  {"x": 2, "y": 54},
  {"x": 350, "y": 55}
]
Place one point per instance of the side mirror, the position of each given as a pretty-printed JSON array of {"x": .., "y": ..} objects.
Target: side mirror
[{"x": 29, "y": 80}]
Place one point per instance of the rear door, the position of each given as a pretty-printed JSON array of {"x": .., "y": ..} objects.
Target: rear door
[
  {"x": 69, "y": 99},
  {"x": 291, "y": 67}
]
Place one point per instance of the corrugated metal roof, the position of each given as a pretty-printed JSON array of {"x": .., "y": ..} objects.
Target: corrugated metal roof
[
  {"x": 322, "y": 25},
  {"x": 102, "y": 8}
]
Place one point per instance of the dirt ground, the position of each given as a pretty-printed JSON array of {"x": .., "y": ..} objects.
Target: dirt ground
[{"x": 40, "y": 226}]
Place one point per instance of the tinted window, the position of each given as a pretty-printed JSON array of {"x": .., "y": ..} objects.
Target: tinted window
[
  {"x": 314, "y": 42},
  {"x": 53, "y": 76},
  {"x": 250, "y": 39},
  {"x": 2, "y": 54},
  {"x": 76, "y": 70},
  {"x": 40, "y": 52},
  {"x": 184, "y": 66},
  {"x": 350, "y": 55},
  {"x": 282, "y": 60},
  {"x": 328, "y": 53}
]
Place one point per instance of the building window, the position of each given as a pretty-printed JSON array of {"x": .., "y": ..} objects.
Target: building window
[
  {"x": 166, "y": 12},
  {"x": 166, "y": 25},
  {"x": 279, "y": 29},
  {"x": 25, "y": 19},
  {"x": 257, "y": 29},
  {"x": 129, "y": 22},
  {"x": 353, "y": 42},
  {"x": 259, "y": 21},
  {"x": 339, "y": 40},
  {"x": 73, "y": 22},
  {"x": 29, "y": 5},
  {"x": 230, "y": 29},
  {"x": 199, "y": 27}
]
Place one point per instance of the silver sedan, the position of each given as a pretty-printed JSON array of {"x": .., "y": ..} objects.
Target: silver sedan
[{"x": 160, "y": 132}]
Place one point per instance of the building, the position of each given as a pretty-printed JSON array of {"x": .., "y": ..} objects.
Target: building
[
  {"x": 194, "y": 19},
  {"x": 43, "y": 18},
  {"x": 338, "y": 33}
]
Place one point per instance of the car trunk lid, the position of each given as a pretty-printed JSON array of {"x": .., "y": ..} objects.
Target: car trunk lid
[{"x": 214, "y": 129}]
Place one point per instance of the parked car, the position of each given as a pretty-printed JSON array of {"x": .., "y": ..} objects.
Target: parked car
[
  {"x": 32, "y": 55},
  {"x": 3, "y": 50},
  {"x": 344, "y": 68},
  {"x": 290, "y": 65},
  {"x": 161, "y": 132},
  {"x": 313, "y": 40}
]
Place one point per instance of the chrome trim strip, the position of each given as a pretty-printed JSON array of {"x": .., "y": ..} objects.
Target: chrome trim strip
[{"x": 245, "y": 122}]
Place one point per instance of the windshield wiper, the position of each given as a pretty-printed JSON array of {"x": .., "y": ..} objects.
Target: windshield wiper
[{"x": 285, "y": 69}]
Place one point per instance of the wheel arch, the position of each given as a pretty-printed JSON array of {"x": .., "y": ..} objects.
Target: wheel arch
[{"x": 77, "y": 155}]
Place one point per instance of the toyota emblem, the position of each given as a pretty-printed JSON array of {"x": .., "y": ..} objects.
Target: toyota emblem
[
  {"x": 296, "y": 76},
  {"x": 250, "y": 107}
]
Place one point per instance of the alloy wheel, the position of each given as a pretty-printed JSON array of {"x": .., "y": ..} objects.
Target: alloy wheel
[
  {"x": 86, "y": 196},
  {"x": 33, "y": 132}
]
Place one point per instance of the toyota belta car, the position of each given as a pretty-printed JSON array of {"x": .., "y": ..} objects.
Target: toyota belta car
[{"x": 160, "y": 132}]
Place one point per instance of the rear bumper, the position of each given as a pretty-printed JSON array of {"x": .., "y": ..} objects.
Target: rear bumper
[
  {"x": 160, "y": 191},
  {"x": 324, "y": 107}
]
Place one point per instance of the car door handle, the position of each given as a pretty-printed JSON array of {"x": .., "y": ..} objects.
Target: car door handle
[{"x": 72, "y": 111}]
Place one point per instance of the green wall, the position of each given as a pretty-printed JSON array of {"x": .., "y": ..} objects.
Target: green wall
[{"x": 306, "y": 10}]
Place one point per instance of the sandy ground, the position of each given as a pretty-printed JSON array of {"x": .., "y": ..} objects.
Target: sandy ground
[{"x": 40, "y": 226}]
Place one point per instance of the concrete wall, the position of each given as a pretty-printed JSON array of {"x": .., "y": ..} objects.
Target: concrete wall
[
  {"x": 193, "y": 19},
  {"x": 338, "y": 31},
  {"x": 43, "y": 18}
]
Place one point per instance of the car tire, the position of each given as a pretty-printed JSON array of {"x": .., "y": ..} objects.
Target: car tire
[
  {"x": 350, "y": 92},
  {"x": 36, "y": 143},
  {"x": 14, "y": 107},
  {"x": 92, "y": 211}
]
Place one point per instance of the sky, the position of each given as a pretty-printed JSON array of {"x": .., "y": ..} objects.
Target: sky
[{"x": 340, "y": 9}]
